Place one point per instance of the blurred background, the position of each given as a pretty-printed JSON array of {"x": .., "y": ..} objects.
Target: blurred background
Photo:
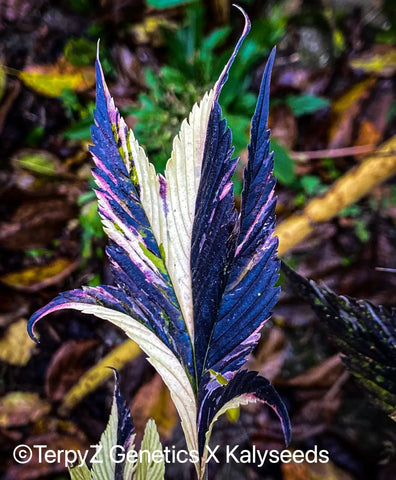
[{"x": 332, "y": 109}]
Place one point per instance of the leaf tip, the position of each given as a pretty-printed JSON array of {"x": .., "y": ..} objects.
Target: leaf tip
[
  {"x": 30, "y": 327},
  {"x": 115, "y": 371},
  {"x": 224, "y": 74},
  {"x": 247, "y": 19},
  {"x": 100, "y": 80}
]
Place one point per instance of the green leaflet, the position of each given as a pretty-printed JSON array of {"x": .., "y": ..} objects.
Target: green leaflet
[
  {"x": 150, "y": 466},
  {"x": 147, "y": 464},
  {"x": 80, "y": 473},
  {"x": 158, "y": 262},
  {"x": 104, "y": 467}
]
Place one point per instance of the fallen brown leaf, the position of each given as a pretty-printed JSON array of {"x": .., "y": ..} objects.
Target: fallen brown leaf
[
  {"x": 375, "y": 119},
  {"x": 35, "y": 278},
  {"x": 20, "y": 408},
  {"x": 52, "y": 80},
  {"x": 66, "y": 367},
  {"x": 16, "y": 346},
  {"x": 380, "y": 60},
  {"x": 368, "y": 134},
  {"x": 344, "y": 112},
  {"x": 35, "y": 223}
]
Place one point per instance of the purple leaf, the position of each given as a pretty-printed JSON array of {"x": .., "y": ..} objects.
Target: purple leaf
[
  {"x": 194, "y": 280},
  {"x": 249, "y": 283},
  {"x": 244, "y": 387}
]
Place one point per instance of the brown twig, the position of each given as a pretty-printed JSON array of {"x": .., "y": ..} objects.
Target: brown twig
[{"x": 332, "y": 153}]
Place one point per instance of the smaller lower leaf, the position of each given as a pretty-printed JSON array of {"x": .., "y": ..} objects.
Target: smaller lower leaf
[
  {"x": 150, "y": 465},
  {"x": 119, "y": 432},
  {"x": 80, "y": 472}
]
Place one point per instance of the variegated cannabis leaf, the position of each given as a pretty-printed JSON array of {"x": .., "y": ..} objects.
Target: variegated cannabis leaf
[
  {"x": 364, "y": 333},
  {"x": 194, "y": 278},
  {"x": 117, "y": 443}
]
